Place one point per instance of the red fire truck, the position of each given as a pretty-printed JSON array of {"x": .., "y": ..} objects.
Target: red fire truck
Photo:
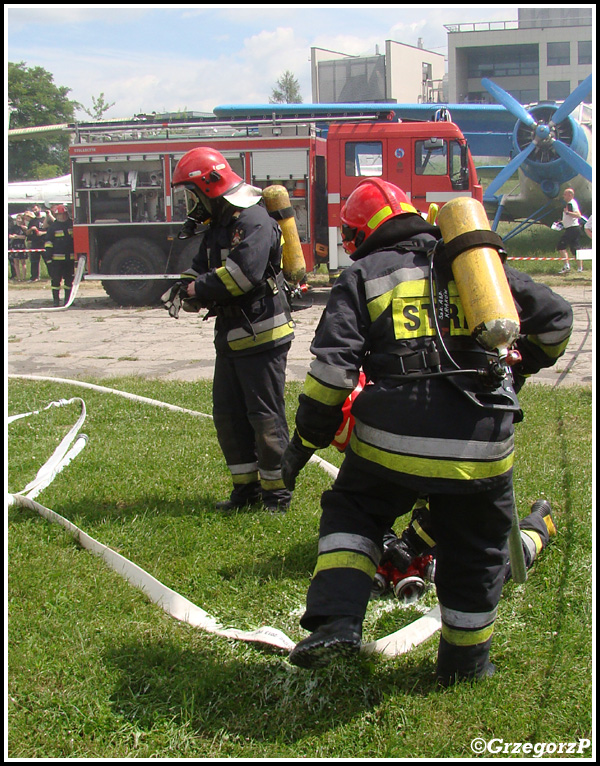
[{"x": 127, "y": 216}]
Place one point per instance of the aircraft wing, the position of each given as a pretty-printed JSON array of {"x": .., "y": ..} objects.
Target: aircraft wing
[{"x": 50, "y": 192}]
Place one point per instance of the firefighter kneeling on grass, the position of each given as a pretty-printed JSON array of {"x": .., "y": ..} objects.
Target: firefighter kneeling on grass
[
  {"x": 236, "y": 274},
  {"x": 407, "y": 564},
  {"x": 436, "y": 419}
]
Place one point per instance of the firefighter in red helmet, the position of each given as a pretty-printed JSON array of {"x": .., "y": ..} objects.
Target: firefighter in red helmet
[
  {"x": 433, "y": 420},
  {"x": 238, "y": 278}
]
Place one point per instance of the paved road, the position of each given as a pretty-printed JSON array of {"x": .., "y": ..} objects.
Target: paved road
[{"x": 95, "y": 338}]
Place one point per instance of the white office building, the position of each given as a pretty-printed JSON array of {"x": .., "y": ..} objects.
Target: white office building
[
  {"x": 404, "y": 74},
  {"x": 543, "y": 55}
]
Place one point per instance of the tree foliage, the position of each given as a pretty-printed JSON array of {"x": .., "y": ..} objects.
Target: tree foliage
[
  {"x": 35, "y": 100},
  {"x": 286, "y": 90},
  {"x": 99, "y": 107}
]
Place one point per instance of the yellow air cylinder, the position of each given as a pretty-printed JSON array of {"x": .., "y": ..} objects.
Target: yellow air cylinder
[
  {"x": 432, "y": 213},
  {"x": 277, "y": 200},
  {"x": 480, "y": 279}
]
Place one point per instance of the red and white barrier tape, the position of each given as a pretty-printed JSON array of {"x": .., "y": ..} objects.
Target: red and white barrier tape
[{"x": 43, "y": 250}]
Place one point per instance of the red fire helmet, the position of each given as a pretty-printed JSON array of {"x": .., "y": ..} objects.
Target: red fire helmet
[
  {"x": 206, "y": 170},
  {"x": 372, "y": 203}
]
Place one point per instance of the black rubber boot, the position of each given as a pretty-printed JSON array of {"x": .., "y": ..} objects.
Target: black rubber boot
[
  {"x": 244, "y": 497},
  {"x": 540, "y": 520},
  {"x": 336, "y": 637},
  {"x": 463, "y": 663},
  {"x": 536, "y": 531}
]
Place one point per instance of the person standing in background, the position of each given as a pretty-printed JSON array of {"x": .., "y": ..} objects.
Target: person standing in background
[{"x": 569, "y": 239}]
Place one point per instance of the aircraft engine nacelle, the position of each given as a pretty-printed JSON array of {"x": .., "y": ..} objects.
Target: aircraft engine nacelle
[
  {"x": 551, "y": 147},
  {"x": 544, "y": 166}
]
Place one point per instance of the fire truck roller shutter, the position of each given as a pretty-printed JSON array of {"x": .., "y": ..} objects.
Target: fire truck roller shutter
[{"x": 134, "y": 255}]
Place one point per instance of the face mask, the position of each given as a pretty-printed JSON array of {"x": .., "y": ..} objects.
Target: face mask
[{"x": 198, "y": 206}]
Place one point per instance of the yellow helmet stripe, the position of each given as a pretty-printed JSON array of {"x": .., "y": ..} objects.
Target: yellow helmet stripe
[
  {"x": 387, "y": 211},
  {"x": 379, "y": 216}
]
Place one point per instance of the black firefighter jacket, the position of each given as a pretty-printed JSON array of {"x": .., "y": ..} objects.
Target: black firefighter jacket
[
  {"x": 239, "y": 262},
  {"x": 428, "y": 433}
]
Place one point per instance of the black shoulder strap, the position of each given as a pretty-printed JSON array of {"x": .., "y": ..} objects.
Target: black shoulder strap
[{"x": 471, "y": 239}]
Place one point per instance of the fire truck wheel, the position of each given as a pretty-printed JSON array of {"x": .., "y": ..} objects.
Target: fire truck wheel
[{"x": 134, "y": 255}]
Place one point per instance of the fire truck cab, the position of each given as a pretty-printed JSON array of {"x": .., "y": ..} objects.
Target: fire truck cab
[
  {"x": 429, "y": 161},
  {"x": 127, "y": 216}
]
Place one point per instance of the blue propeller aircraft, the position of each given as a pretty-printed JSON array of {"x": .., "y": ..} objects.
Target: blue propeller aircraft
[{"x": 551, "y": 151}]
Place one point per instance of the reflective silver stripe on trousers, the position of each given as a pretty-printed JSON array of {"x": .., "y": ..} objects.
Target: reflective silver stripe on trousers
[
  {"x": 467, "y": 620},
  {"x": 341, "y": 541}
]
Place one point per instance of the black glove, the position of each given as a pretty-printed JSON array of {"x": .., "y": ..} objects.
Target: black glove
[
  {"x": 295, "y": 457},
  {"x": 188, "y": 229},
  {"x": 398, "y": 553}
]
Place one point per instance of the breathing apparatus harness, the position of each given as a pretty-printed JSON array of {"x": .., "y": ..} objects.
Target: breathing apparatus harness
[{"x": 490, "y": 369}]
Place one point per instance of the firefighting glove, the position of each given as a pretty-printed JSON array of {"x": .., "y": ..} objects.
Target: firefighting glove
[
  {"x": 398, "y": 553},
  {"x": 176, "y": 297},
  {"x": 173, "y": 298},
  {"x": 188, "y": 229},
  {"x": 295, "y": 457}
]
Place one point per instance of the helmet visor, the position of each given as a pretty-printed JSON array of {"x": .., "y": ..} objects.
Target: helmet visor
[{"x": 197, "y": 205}]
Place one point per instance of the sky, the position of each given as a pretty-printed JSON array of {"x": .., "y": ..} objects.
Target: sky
[{"x": 157, "y": 58}]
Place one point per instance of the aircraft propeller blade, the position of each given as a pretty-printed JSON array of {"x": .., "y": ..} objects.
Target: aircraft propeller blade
[
  {"x": 572, "y": 101},
  {"x": 578, "y": 164},
  {"x": 508, "y": 171},
  {"x": 508, "y": 102}
]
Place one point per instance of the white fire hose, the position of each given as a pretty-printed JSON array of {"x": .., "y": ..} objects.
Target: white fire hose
[
  {"x": 173, "y": 603},
  {"x": 76, "y": 282}
]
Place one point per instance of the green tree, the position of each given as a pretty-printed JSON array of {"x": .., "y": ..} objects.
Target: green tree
[
  {"x": 34, "y": 100},
  {"x": 99, "y": 107},
  {"x": 286, "y": 90}
]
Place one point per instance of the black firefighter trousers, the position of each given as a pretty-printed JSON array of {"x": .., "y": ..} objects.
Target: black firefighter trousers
[
  {"x": 250, "y": 420},
  {"x": 471, "y": 531}
]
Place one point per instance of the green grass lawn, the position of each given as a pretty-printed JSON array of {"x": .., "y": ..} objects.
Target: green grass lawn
[{"x": 96, "y": 671}]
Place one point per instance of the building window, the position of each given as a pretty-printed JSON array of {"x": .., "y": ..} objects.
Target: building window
[
  {"x": 364, "y": 158},
  {"x": 558, "y": 90},
  {"x": 584, "y": 52},
  {"x": 352, "y": 80},
  {"x": 559, "y": 54},
  {"x": 528, "y": 96},
  {"x": 503, "y": 61}
]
